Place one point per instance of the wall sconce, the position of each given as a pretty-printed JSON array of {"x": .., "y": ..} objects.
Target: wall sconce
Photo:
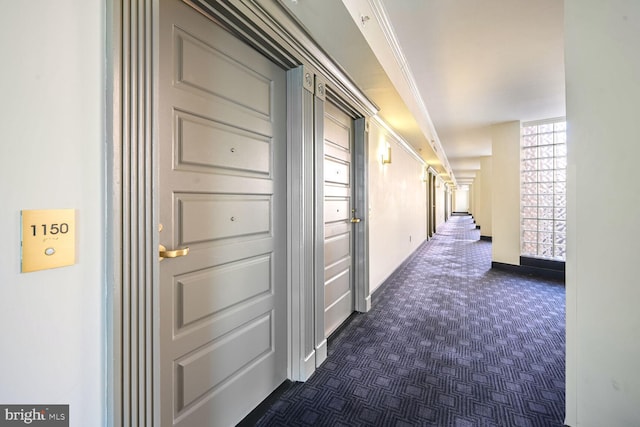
[
  {"x": 425, "y": 173},
  {"x": 386, "y": 155}
]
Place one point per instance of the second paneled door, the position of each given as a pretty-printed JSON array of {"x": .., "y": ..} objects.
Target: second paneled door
[{"x": 338, "y": 213}]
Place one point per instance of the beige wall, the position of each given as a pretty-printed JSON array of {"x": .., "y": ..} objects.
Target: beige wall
[
  {"x": 505, "y": 195},
  {"x": 440, "y": 199},
  {"x": 603, "y": 284},
  {"x": 51, "y": 157},
  {"x": 481, "y": 195},
  {"x": 397, "y": 206}
]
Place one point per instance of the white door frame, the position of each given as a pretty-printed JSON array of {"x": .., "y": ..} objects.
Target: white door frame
[{"x": 132, "y": 185}]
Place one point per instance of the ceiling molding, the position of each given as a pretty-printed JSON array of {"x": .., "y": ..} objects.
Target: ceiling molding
[{"x": 401, "y": 64}]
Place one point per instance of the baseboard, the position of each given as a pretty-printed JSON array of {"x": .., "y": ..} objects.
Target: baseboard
[
  {"x": 547, "y": 264},
  {"x": 367, "y": 303},
  {"x": 255, "y": 415},
  {"x": 528, "y": 270},
  {"x": 321, "y": 352},
  {"x": 309, "y": 366},
  {"x": 486, "y": 238}
]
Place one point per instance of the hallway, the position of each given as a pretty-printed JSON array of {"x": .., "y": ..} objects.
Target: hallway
[{"x": 448, "y": 342}]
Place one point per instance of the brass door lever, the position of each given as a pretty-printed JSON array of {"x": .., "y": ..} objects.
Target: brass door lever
[
  {"x": 164, "y": 253},
  {"x": 354, "y": 220}
]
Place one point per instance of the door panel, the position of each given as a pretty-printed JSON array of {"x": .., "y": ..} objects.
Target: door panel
[
  {"x": 236, "y": 151},
  {"x": 199, "y": 56},
  {"x": 336, "y": 209},
  {"x": 336, "y": 172},
  {"x": 337, "y": 250},
  {"x": 213, "y": 217},
  {"x": 222, "y": 137},
  {"x": 338, "y": 205},
  {"x": 338, "y": 286},
  {"x": 203, "y": 294},
  {"x": 208, "y": 367}
]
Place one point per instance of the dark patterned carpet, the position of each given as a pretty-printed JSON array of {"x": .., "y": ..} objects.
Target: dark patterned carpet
[{"x": 448, "y": 342}]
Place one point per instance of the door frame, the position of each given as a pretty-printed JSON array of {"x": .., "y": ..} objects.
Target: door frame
[
  {"x": 360, "y": 177},
  {"x": 131, "y": 167},
  {"x": 131, "y": 237},
  {"x": 360, "y": 234},
  {"x": 433, "y": 200}
]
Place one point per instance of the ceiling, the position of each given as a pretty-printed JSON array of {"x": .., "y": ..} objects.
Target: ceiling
[{"x": 443, "y": 71}]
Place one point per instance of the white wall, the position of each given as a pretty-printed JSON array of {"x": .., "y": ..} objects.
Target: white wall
[
  {"x": 603, "y": 285},
  {"x": 505, "y": 196},
  {"x": 51, "y": 156},
  {"x": 397, "y": 206},
  {"x": 461, "y": 200}
]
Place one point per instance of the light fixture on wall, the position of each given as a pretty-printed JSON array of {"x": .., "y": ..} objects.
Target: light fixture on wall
[
  {"x": 425, "y": 173},
  {"x": 385, "y": 156}
]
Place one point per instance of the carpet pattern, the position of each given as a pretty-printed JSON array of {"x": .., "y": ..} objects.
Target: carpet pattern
[{"x": 448, "y": 342}]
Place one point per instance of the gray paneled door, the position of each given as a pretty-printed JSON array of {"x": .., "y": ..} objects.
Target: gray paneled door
[
  {"x": 222, "y": 137},
  {"x": 338, "y": 211}
]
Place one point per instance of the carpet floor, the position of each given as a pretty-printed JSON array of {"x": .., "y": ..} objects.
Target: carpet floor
[{"x": 449, "y": 342}]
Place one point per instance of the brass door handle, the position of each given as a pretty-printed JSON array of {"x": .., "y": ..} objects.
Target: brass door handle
[
  {"x": 164, "y": 253},
  {"x": 354, "y": 220}
]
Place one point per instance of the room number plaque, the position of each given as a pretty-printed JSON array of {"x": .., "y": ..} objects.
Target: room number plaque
[{"x": 48, "y": 239}]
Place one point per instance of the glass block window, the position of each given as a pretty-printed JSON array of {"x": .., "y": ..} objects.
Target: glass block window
[{"x": 543, "y": 200}]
